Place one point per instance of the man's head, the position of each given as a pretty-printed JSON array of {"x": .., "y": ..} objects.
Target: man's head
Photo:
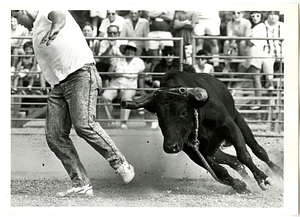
[
  {"x": 87, "y": 29},
  {"x": 237, "y": 15},
  {"x": 201, "y": 60},
  {"x": 111, "y": 15},
  {"x": 25, "y": 18},
  {"x": 273, "y": 17},
  {"x": 113, "y": 31},
  {"x": 134, "y": 15},
  {"x": 14, "y": 23},
  {"x": 168, "y": 52},
  {"x": 28, "y": 48}
]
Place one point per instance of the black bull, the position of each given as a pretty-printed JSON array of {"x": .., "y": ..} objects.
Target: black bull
[{"x": 196, "y": 107}]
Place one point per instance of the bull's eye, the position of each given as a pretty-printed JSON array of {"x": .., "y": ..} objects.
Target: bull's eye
[{"x": 183, "y": 114}]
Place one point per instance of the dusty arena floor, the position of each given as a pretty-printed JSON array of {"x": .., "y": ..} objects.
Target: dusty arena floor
[
  {"x": 163, "y": 193},
  {"x": 154, "y": 192}
]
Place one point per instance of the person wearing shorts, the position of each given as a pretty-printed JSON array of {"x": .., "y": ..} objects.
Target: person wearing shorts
[
  {"x": 209, "y": 24},
  {"x": 160, "y": 27},
  {"x": 124, "y": 83},
  {"x": 258, "y": 48}
]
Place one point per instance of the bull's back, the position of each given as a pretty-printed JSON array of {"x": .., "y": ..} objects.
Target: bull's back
[{"x": 216, "y": 89}]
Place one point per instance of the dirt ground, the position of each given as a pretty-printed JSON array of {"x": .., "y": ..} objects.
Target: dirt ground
[{"x": 158, "y": 192}]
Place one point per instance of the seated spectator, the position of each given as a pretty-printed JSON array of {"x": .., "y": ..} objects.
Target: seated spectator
[
  {"x": 125, "y": 81},
  {"x": 275, "y": 29},
  {"x": 135, "y": 26},
  {"x": 202, "y": 63},
  {"x": 17, "y": 44},
  {"x": 184, "y": 24},
  {"x": 262, "y": 48},
  {"x": 24, "y": 67},
  {"x": 109, "y": 48},
  {"x": 160, "y": 27},
  {"x": 112, "y": 19},
  {"x": 237, "y": 27},
  {"x": 167, "y": 64},
  {"x": 209, "y": 24},
  {"x": 87, "y": 30}
]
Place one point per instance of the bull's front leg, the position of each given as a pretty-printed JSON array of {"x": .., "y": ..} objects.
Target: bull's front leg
[
  {"x": 223, "y": 158},
  {"x": 237, "y": 140},
  {"x": 221, "y": 173}
]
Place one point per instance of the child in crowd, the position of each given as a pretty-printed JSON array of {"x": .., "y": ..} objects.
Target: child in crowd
[
  {"x": 202, "y": 63},
  {"x": 24, "y": 66}
]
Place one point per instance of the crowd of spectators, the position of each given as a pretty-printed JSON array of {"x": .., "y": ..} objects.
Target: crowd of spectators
[{"x": 160, "y": 55}]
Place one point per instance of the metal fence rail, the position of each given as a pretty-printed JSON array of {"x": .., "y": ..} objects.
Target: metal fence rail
[{"x": 32, "y": 107}]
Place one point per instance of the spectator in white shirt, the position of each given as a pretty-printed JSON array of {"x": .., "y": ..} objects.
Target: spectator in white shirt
[
  {"x": 112, "y": 19},
  {"x": 125, "y": 81}
]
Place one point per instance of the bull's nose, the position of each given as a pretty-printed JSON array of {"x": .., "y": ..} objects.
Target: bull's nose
[{"x": 172, "y": 148}]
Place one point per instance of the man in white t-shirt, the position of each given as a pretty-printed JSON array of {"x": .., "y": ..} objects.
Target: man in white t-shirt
[
  {"x": 68, "y": 65},
  {"x": 112, "y": 19}
]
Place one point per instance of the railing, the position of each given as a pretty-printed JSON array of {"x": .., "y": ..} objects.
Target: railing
[{"x": 273, "y": 98}]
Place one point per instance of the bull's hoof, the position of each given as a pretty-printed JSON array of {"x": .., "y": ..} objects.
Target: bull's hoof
[
  {"x": 241, "y": 187},
  {"x": 266, "y": 184}
]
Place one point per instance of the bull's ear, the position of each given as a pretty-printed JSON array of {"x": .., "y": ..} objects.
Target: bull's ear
[{"x": 197, "y": 93}]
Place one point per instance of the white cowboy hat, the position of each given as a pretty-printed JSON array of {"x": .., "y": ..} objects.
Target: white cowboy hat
[{"x": 129, "y": 44}]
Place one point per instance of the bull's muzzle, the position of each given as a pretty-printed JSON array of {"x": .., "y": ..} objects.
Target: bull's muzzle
[{"x": 172, "y": 148}]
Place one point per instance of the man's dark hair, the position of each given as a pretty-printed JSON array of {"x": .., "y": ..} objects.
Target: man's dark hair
[
  {"x": 87, "y": 24},
  {"x": 27, "y": 44},
  {"x": 110, "y": 26},
  {"x": 168, "y": 50}
]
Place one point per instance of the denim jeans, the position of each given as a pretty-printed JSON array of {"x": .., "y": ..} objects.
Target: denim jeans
[{"x": 73, "y": 101}]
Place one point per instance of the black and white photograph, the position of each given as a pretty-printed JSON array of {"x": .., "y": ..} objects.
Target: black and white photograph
[{"x": 151, "y": 109}]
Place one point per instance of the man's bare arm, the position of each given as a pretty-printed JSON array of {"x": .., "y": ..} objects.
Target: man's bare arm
[{"x": 58, "y": 19}]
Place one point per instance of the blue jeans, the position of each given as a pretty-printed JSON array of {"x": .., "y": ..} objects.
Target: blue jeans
[{"x": 73, "y": 101}]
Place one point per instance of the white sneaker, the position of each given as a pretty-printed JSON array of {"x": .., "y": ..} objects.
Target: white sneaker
[
  {"x": 86, "y": 190},
  {"x": 124, "y": 126},
  {"x": 126, "y": 171}
]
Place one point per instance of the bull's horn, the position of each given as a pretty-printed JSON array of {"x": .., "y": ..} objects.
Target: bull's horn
[
  {"x": 138, "y": 103},
  {"x": 197, "y": 93}
]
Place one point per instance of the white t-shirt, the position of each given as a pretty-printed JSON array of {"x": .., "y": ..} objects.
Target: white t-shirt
[
  {"x": 128, "y": 80},
  {"x": 208, "y": 68},
  {"x": 259, "y": 31},
  {"x": 276, "y": 31},
  {"x": 119, "y": 21},
  {"x": 66, "y": 54},
  {"x": 19, "y": 31}
]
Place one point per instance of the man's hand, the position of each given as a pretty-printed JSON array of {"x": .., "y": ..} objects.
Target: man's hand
[
  {"x": 58, "y": 19},
  {"x": 49, "y": 37}
]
